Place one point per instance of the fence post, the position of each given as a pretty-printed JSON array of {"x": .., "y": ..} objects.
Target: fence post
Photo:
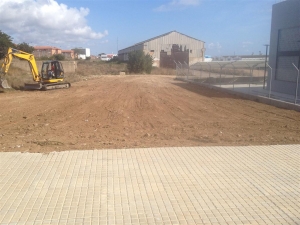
[
  {"x": 181, "y": 71},
  {"x": 233, "y": 74},
  {"x": 296, "y": 84},
  {"x": 250, "y": 68},
  {"x": 176, "y": 69},
  {"x": 200, "y": 72},
  {"x": 220, "y": 74},
  {"x": 209, "y": 69},
  {"x": 270, "y": 79},
  {"x": 188, "y": 70}
]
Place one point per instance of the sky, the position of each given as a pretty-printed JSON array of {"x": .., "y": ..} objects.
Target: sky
[{"x": 228, "y": 27}]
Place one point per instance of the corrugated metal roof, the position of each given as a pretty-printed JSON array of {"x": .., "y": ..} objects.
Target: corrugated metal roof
[{"x": 142, "y": 42}]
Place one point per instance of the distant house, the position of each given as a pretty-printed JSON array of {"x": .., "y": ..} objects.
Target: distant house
[
  {"x": 111, "y": 56},
  {"x": 46, "y": 51},
  {"x": 82, "y": 53},
  {"x": 104, "y": 57},
  {"x": 69, "y": 54}
]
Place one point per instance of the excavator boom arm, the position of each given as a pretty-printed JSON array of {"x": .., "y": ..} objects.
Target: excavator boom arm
[{"x": 24, "y": 56}]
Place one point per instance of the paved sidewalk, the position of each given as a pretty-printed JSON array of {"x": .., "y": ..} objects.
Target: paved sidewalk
[
  {"x": 257, "y": 90},
  {"x": 194, "y": 185}
]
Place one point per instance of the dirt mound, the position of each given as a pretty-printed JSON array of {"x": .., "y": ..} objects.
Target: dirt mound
[{"x": 135, "y": 112}]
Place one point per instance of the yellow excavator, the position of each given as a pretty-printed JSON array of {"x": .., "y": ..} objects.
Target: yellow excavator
[{"x": 50, "y": 77}]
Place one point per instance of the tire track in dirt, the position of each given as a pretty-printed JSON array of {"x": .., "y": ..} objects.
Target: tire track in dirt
[{"x": 138, "y": 111}]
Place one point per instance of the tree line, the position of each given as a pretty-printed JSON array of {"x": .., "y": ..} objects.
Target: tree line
[{"x": 6, "y": 41}]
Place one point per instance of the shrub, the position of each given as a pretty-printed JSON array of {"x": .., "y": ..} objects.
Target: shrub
[
  {"x": 115, "y": 59},
  {"x": 25, "y": 47},
  {"x": 59, "y": 57},
  {"x": 138, "y": 62}
]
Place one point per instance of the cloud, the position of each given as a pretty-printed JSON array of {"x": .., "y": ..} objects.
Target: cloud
[
  {"x": 215, "y": 45},
  {"x": 246, "y": 44},
  {"x": 45, "y": 22},
  {"x": 177, "y": 5}
]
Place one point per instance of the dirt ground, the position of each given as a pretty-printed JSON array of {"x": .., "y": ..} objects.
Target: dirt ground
[{"x": 135, "y": 112}]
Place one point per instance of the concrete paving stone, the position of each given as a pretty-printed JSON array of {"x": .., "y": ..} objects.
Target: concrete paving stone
[{"x": 253, "y": 184}]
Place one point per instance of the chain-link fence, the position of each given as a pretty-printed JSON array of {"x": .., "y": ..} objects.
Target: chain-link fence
[
  {"x": 224, "y": 73},
  {"x": 244, "y": 76}
]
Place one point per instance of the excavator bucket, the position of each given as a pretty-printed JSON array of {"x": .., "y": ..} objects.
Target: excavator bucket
[{"x": 3, "y": 83}]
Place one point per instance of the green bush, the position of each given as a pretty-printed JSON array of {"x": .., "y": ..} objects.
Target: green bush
[
  {"x": 5, "y": 43},
  {"x": 59, "y": 57},
  {"x": 115, "y": 59},
  {"x": 25, "y": 47},
  {"x": 138, "y": 62}
]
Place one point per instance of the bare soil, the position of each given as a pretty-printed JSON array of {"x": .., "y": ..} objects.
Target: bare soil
[{"x": 136, "y": 112}]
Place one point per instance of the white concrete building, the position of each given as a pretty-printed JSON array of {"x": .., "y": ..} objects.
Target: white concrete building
[{"x": 83, "y": 53}]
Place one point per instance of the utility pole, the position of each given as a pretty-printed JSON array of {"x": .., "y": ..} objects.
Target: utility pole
[{"x": 267, "y": 46}]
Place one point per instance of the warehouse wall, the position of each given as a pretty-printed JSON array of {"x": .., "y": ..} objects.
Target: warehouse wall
[
  {"x": 195, "y": 47},
  {"x": 123, "y": 54},
  {"x": 164, "y": 43}
]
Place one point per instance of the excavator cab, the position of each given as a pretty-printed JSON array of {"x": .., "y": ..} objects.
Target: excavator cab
[{"x": 52, "y": 70}]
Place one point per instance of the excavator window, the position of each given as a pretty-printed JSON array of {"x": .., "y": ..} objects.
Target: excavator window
[
  {"x": 45, "y": 70},
  {"x": 59, "y": 69},
  {"x": 52, "y": 70}
]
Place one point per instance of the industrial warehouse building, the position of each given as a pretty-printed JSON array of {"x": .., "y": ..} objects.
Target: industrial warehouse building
[
  {"x": 284, "y": 47},
  {"x": 169, "y": 48}
]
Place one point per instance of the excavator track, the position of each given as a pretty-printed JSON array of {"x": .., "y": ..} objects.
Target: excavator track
[
  {"x": 55, "y": 86},
  {"x": 45, "y": 87}
]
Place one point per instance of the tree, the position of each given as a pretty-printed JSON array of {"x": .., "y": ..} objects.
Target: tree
[
  {"x": 138, "y": 62},
  {"x": 5, "y": 43},
  {"x": 115, "y": 59},
  {"x": 25, "y": 47},
  {"x": 148, "y": 61},
  {"x": 59, "y": 57}
]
